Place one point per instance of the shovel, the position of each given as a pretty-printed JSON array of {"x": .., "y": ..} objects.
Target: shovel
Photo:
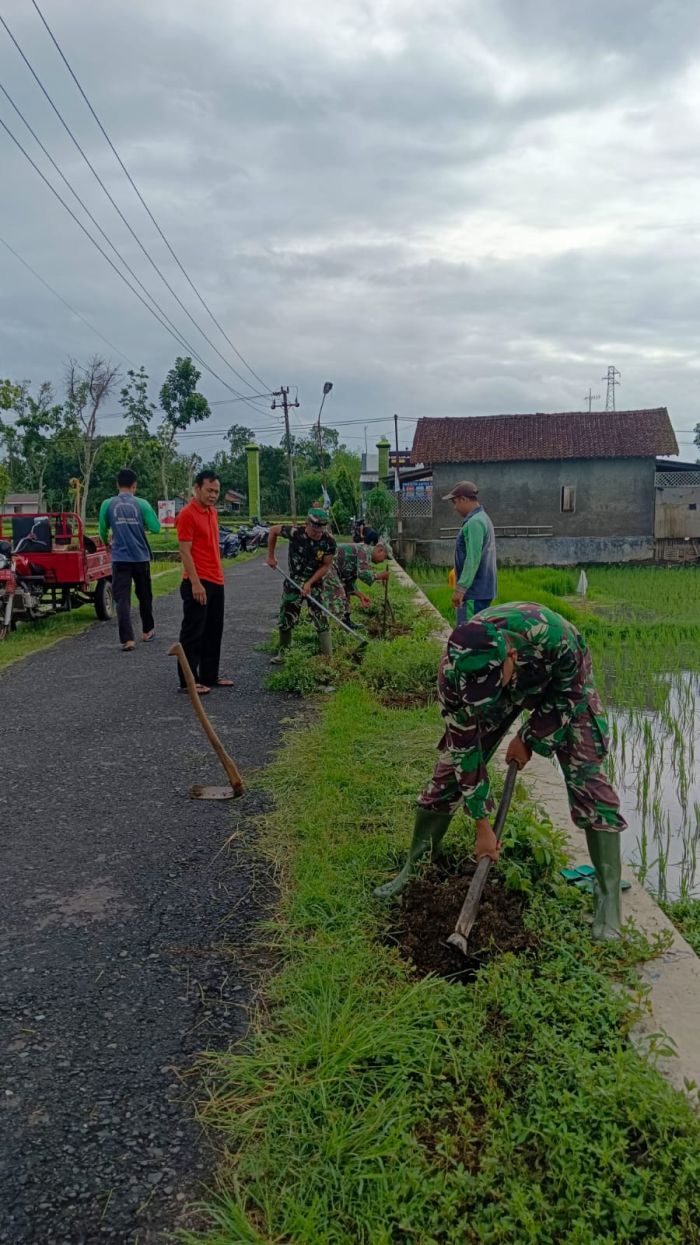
[
  {"x": 236, "y": 788},
  {"x": 470, "y": 907}
]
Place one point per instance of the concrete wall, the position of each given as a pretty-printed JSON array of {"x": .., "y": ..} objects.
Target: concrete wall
[
  {"x": 674, "y": 517},
  {"x": 614, "y": 497},
  {"x": 546, "y": 550}
]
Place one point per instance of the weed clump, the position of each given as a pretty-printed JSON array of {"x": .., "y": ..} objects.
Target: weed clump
[{"x": 403, "y": 672}]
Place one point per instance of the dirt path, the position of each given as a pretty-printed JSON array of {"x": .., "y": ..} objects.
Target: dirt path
[{"x": 117, "y": 899}]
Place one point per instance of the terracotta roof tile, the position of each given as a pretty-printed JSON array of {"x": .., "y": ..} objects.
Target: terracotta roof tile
[{"x": 563, "y": 434}]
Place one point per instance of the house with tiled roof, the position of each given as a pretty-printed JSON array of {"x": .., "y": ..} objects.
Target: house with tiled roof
[{"x": 561, "y": 488}]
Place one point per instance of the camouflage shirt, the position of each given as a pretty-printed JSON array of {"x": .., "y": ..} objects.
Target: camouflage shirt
[
  {"x": 353, "y": 562},
  {"x": 306, "y": 555},
  {"x": 552, "y": 678}
]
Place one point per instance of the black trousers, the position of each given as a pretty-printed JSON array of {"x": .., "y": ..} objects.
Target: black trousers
[
  {"x": 122, "y": 575},
  {"x": 201, "y": 632}
]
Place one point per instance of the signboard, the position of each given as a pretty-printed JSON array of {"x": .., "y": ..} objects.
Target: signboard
[{"x": 166, "y": 513}]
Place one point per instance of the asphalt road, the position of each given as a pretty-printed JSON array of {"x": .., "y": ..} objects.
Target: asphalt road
[{"x": 125, "y": 922}]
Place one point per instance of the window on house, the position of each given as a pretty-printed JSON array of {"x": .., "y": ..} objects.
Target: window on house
[
  {"x": 568, "y": 499},
  {"x": 693, "y": 505}
]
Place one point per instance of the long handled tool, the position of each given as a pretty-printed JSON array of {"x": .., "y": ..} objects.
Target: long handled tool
[
  {"x": 208, "y": 793},
  {"x": 470, "y": 907},
  {"x": 317, "y": 605}
]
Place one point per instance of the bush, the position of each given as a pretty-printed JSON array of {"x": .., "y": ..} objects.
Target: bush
[{"x": 341, "y": 516}]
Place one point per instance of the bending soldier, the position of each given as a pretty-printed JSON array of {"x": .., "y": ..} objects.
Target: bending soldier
[
  {"x": 509, "y": 658},
  {"x": 311, "y": 552},
  {"x": 352, "y": 562}
]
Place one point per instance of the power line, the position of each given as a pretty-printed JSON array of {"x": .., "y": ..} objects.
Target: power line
[
  {"x": 95, "y": 222},
  {"x": 118, "y": 210},
  {"x": 180, "y": 340},
  {"x": 65, "y": 303},
  {"x": 145, "y": 205}
]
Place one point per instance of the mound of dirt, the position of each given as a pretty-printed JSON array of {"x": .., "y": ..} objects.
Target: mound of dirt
[{"x": 429, "y": 909}]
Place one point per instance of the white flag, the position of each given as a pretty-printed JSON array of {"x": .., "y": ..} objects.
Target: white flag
[
  {"x": 326, "y": 498},
  {"x": 582, "y": 584},
  {"x": 397, "y": 480}
]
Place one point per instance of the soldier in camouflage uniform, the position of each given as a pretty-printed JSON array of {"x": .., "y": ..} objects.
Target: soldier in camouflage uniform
[
  {"x": 311, "y": 552},
  {"x": 352, "y": 562},
  {"x": 509, "y": 658}
]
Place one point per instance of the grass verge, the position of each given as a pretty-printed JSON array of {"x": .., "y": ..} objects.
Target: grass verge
[{"x": 374, "y": 1107}]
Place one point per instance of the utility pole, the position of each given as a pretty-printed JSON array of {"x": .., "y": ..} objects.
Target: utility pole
[
  {"x": 613, "y": 378},
  {"x": 397, "y": 480},
  {"x": 283, "y": 394},
  {"x": 590, "y": 398}
]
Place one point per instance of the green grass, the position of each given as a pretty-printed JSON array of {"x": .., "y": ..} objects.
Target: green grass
[
  {"x": 685, "y": 914},
  {"x": 31, "y": 637},
  {"x": 369, "y": 1107}
]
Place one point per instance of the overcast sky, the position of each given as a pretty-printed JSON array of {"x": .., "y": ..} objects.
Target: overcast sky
[{"x": 445, "y": 207}]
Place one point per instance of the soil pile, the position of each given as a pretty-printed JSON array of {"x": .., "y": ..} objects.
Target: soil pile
[{"x": 429, "y": 910}]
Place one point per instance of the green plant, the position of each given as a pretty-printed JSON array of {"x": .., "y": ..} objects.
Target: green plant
[
  {"x": 380, "y": 508},
  {"x": 405, "y": 666}
]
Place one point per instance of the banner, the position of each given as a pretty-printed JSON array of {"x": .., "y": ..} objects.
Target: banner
[{"x": 166, "y": 513}]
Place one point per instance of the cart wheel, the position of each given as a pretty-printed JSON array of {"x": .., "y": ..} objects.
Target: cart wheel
[{"x": 104, "y": 601}]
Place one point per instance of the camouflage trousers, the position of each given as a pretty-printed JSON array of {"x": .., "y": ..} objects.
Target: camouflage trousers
[
  {"x": 593, "y": 802},
  {"x": 334, "y": 596},
  {"x": 291, "y": 606}
]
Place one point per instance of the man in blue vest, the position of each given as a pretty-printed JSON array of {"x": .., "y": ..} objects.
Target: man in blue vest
[
  {"x": 475, "y": 553},
  {"x": 129, "y": 517}
]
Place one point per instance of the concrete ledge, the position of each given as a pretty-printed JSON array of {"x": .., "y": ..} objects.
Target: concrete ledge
[
  {"x": 547, "y": 550},
  {"x": 674, "y": 977}
]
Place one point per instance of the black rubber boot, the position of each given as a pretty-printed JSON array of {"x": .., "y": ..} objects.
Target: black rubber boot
[
  {"x": 604, "y": 850},
  {"x": 285, "y": 641},
  {"x": 428, "y": 832}
]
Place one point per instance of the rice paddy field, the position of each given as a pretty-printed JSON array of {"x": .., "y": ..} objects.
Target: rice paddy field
[{"x": 643, "y": 628}]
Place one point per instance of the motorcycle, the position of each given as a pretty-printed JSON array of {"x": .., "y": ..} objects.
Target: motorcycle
[
  {"x": 229, "y": 543},
  {"x": 21, "y": 589}
]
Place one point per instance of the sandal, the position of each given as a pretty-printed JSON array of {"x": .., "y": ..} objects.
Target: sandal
[
  {"x": 128, "y": 646},
  {"x": 149, "y": 636},
  {"x": 199, "y": 688},
  {"x": 222, "y": 681}
]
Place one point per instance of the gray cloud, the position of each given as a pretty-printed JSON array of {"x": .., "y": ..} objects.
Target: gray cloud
[{"x": 449, "y": 207}]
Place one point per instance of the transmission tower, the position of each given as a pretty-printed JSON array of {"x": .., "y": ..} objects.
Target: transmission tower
[{"x": 613, "y": 378}]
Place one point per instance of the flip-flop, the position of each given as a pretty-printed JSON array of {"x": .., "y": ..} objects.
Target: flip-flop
[
  {"x": 148, "y": 639},
  {"x": 129, "y": 646},
  {"x": 223, "y": 682},
  {"x": 583, "y": 878},
  {"x": 200, "y": 689}
]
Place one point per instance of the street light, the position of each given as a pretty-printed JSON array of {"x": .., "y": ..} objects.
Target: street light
[{"x": 326, "y": 390}]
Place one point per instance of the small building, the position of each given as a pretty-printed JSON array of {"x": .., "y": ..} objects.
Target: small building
[
  {"x": 677, "y": 525},
  {"x": 562, "y": 488},
  {"x": 21, "y": 503},
  {"x": 234, "y": 500}
]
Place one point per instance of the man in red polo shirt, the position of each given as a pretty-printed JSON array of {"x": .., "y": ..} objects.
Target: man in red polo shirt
[{"x": 202, "y": 587}]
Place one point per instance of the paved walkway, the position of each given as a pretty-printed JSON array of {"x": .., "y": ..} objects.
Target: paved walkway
[{"x": 122, "y": 915}]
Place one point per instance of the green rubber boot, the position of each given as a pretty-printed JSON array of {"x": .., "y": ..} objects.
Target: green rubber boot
[
  {"x": 428, "y": 832},
  {"x": 285, "y": 641},
  {"x": 325, "y": 644},
  {"x": 604, "y": 849}
]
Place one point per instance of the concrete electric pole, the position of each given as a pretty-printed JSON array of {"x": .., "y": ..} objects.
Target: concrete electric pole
[
  {"x": 283, "y": 394},
  {"x": 590, "y": 398}
]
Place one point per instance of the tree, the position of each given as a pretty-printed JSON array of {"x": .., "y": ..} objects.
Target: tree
[
  {"x": 138, "y": 410},
  {"x": 309, "y": 489},
  {"x": 86, "y": 390},
  {"x": 345, "y": 491},
  {"x": 181, "y": 406},
  {"x": 4, "y": 482},
  {"x": 309, "y": 455},
  {"x": 238, "y": 436},
  {"x": 38, "y": 421},
  {"x": 380, "y": 506}
]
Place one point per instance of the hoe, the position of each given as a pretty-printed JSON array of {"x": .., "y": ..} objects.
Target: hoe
[{"x": 470, "y": 907}]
